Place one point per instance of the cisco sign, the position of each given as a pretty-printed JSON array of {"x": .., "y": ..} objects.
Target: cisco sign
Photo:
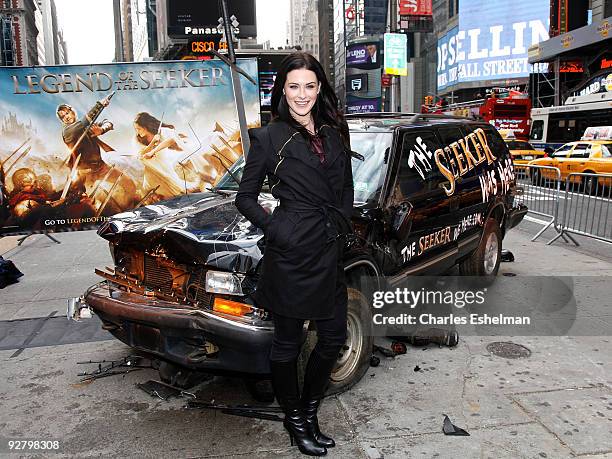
[{"x": 491, "y": 40}]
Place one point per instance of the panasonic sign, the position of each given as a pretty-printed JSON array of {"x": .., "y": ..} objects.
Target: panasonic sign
[{"x": 189, "y": 18}]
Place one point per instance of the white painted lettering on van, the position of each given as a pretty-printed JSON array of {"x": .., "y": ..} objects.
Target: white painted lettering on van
[
  {"x": 488, "y": 185},
  {"x": 419, "y": 158}
]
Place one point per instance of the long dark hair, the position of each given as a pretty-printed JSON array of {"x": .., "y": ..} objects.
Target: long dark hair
[
  {"x": 325, "y": 109},
  {"x": 150, "y": 123}
]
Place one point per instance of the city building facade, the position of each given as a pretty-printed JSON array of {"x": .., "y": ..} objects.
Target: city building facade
[
  {"x": 136, "y": 29},
  {"x": 55, "y": 51},
  {"x": 20, "y": 45},
  {"x": 326, "y": 38},
  {"x": 297, "y": 9},
  {"x": 30, "y": 33},
  {"x": 575, "y": 63},
  {"x": 308, "y": 37},
  {"x": 40, "y": 37}
]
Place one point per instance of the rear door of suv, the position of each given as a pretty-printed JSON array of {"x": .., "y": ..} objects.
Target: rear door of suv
[
  {"x": 467, "y": 206},
  {"x": 418, "y": 205}
]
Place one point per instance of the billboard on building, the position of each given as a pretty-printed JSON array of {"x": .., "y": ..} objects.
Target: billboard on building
[
  {"x": 83, "y": 142},
  {"x": 414, "y": 16},
  {"x": 363, "y": 77},
  {"x": 189, "y": 18},
  {"x": 396, "y": 54},
  {"x": 491, "y": 41},
  {"x": 415, "y": 7}
]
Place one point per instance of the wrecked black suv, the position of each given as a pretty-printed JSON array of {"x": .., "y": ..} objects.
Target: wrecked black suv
[{"x": 431, "y": 192}]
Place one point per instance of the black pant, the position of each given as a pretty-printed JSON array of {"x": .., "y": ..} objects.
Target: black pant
[{"x": 331, "y": 334}]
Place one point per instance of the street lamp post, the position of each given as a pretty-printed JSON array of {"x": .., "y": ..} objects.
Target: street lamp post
[
  {"x": 394, "y": 87},
  {"x": 244, "y": 133}
]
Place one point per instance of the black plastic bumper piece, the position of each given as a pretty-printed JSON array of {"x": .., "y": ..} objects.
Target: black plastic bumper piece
[
  {"x": 515, "y": 215},
  {"x": 195, "y": 339}
]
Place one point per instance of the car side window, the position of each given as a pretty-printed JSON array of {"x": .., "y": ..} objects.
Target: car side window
[
  {"x": 605, "y": 152},
  {"x": 582, "y": 150},
  {"x": 417, "y": 172},
  {"x": 512, "y": 145},
  {"x": 537, "y": 130},
  {"x": 562, "y": 151}
]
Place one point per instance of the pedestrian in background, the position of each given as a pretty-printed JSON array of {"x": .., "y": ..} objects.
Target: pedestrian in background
[{"x": 305, "y": 153}]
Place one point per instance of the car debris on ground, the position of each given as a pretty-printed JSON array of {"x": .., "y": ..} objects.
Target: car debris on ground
[
  {"x": 259, "y": 412},
  {"x": 162, "y": 390},
  {"x": 115, "y": 367},
  {"x": 451, "y": 429}
]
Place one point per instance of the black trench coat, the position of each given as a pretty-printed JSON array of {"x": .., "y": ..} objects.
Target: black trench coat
[{"x": 302, "y": 274}]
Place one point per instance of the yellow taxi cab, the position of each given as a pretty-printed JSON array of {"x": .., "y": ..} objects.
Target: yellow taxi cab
[
  {"x": 583, "y": 156},
  {"x": 521, "y": 151}
]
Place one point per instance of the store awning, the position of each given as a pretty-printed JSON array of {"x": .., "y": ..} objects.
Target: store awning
[{"x": 569, "y": 43}]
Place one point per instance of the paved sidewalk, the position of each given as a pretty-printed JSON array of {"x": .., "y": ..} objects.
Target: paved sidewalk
[
  {"x": 555, "y": 403},
  {"x": 7, "y": 243}
]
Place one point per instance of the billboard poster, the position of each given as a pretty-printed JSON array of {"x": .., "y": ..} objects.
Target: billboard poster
[
  {"x": 396, "y": 54},
  {"x": 363, "y": 77},
  {"x": 415, "y": 7},
  {"x": 491, "y": 41},
  {"x": 364, "y": 55},
  {"x": 81, "y": 143},
  {"x": 188, "y": 18},
  {"x": 360, "y": 105},
  {"x": 599, "y": 84}
]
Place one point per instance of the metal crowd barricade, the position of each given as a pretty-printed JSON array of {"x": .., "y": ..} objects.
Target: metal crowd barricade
[
  {"x": 586, "y": 207},
  {"x": 541, "y": 190}
]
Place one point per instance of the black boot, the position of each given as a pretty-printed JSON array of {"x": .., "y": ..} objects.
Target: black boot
[
  {"x": 284, "y": 380},
  {"x": 316, "y": 379}
]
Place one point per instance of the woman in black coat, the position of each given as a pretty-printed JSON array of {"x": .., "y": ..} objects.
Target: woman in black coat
[{"x": 305, "y": 154}]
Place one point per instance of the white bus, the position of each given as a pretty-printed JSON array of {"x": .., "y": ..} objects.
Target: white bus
[{"x": 554, "y": 126}]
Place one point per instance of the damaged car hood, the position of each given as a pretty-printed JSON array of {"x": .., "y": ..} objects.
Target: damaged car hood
[{"x": 203, "y": 228}]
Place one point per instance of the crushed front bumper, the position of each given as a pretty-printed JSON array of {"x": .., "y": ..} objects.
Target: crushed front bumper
[{"x": 193, "y": 338}]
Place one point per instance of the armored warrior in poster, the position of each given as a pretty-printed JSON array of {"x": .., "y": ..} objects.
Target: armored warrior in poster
[
  {"x": 29, "y": 202},
  {"x": 110, "y": 188},
  {"x": 82, "y": 136}
]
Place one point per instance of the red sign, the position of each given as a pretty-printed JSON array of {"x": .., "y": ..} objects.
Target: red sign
[
  {"x": 606, "y": 63},
  {"x": 415, "y": 8},
  {"x": 571, "y": 67},
  {"x": 350, "y": 13},
  {"x": 386, "y": 80}
]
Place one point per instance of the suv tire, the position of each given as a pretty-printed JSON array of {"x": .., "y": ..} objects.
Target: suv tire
[
  {"x": 485, "y": 260},
  {"x": 354, "y": 359}
]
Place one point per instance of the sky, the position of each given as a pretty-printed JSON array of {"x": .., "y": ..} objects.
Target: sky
[{"x": 89, "y": 30}]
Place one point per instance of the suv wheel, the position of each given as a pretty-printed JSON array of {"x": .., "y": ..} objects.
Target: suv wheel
[
  {"x": 354, "y": 358},
  {"x": 486, "y": 258}
]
